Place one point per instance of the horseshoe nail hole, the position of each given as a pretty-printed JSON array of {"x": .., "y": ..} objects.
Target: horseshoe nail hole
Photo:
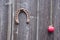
[
  {"x": 16, "y": 12},
  {"x": 25, "y": 10}
]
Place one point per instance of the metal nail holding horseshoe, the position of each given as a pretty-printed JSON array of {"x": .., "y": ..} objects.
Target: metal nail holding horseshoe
[{"x": 18, "y": 12}]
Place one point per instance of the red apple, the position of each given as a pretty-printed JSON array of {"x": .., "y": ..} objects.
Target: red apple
[{"x": 51, "y": 28}]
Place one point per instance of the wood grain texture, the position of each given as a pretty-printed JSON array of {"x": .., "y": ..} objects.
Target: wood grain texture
[
  {"x": 3, "y": 20},
  {"x": 57, "y": 19},
  {"x": 28, "y": 32},
  {"x": 25, "y": 31},
  {"x": 44, "y": 20}
]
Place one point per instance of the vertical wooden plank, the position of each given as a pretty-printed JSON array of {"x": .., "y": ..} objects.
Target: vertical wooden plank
[
  {"x": 57, "y": 19},
  {"x": 9, "y": 19},
  {"x": 4, "y": 20},
  {"x": 44, "y": 20},
  {"x": 0, "y": 17},
  {"x": 24, "y": 31},
  {"x": 12, "y": 21}
]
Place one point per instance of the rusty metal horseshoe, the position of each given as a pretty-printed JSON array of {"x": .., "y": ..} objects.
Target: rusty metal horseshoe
[{"x": 18, "y": 12}]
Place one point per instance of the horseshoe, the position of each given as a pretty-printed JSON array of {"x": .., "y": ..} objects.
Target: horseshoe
[{"x": 22, "y": 10}]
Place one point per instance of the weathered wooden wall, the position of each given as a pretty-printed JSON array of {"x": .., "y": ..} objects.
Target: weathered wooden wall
[
  {"x": 39, "y": 20},
  {"x": 57, "y": 19},
  {"x": 24, "y": 31},
  {"x": 43, "y": 19},
  {"x": 3, "y": 20}
]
